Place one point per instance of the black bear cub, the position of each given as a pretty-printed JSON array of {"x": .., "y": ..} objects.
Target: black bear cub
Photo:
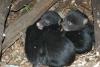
[
  {"x": 46, "y": 45},
  {"x": 79, "y": 30}
]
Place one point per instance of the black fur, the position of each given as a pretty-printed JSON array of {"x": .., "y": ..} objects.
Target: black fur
[
  {"x": 74, "y": 20},
  {"x": 48, "y": 46},
  {"x": 80, "y": 35},
  {"x": 82, "y": 39},
  {"x": 48, "y": 18}
]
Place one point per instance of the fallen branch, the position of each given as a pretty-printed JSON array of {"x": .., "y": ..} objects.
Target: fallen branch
[
  {"x": 18, "y": 4},
  {"x": 12, "y": 32},
  {"x": 4, "y": 10}
]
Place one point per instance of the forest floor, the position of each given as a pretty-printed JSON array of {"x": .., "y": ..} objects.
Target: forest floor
[{"x": 15, "y": 55}]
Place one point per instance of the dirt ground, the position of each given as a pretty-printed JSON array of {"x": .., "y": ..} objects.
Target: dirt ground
[{"x": 15, "y": 55}]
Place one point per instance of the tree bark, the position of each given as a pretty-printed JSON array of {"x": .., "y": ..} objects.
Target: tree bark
[
  {"x": 4, "y": 9},
  {"x": 17, "y": 5},
  {"x": 13, "y": 31},
  {"x": 96, "y": 13}
]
